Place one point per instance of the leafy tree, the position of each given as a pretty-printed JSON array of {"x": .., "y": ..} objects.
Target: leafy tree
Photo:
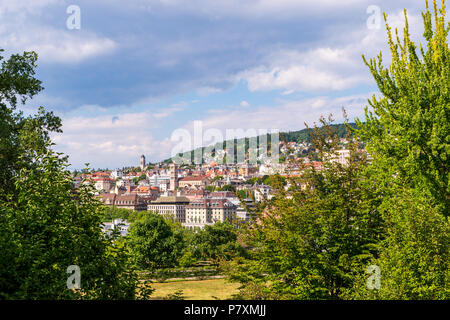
[
  {"x": 110, "y": 213},
  {"x": 50, "y": 227},
  {"x": 276, "y": 181},
  {"x": 218, "y": 241},
  {"x": 46, "y": 225},
  {"x": 407, "y": 132},
  {"x": 21, "y": 138},
  {"x": 228, "y": 187},
  {"x": 153, "y": 243},
  {"x": 407, "y": 129}
]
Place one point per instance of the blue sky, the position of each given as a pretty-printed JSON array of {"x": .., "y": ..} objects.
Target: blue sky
[{"x": 136, "y": 71}]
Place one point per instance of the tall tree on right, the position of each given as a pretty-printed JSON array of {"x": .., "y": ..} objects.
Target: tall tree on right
[{"x": 407, "y": 133}]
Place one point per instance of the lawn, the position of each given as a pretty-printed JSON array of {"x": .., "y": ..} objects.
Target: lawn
[{"x": 196, "y": 289}]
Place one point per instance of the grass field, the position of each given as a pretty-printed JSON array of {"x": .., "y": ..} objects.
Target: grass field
[{"x": 196, "y": 289}]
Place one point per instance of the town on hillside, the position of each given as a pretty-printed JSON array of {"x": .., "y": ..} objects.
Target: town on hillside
[{"x": 199, "y": 195}]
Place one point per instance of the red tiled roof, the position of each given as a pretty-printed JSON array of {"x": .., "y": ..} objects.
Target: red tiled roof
[{"x": 193, "y": 178}]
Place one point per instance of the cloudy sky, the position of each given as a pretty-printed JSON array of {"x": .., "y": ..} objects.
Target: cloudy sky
[{"x": 138, "y": 70}]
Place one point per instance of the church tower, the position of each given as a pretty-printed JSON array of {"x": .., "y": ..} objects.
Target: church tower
[
  {"x": 142, "y": 162},
  {"x": 173, "y": 177}
]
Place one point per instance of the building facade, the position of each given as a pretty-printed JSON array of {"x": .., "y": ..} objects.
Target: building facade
[
  {"x": 173, "y": 206},
  {"x": 202, "y": 212}
]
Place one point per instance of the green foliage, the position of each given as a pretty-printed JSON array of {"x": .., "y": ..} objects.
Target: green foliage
[
  {"x": 217, "y": 242},
  {"x": 275, "y": 181},
  {"x": 258, "y": 180},
  {"x": 227, "y": 187},
  {"x": 21, "y": 138},
  {"x": 316, "y": 240},
  {"x": 414, "y": 257},
  {"x": 153, "y": 243},
  {"x": 187, "y": 260},
  {"x": 49, "y": 228},
  {"x": 407, "y": 131},
  {"x": 136, "y": 180},
  {"x": 306, "y": 135},
  {"x": 110, "y": 213}
]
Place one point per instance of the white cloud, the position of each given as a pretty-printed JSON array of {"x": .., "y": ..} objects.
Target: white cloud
[
  {"x": 107, "y": 141},
  {"x": 317, "y": 69},
  {"x": 22, "y": 30},
  {"x": 244, "y": 104},
  {"x": 14, "y": 6},
  {"x": 326, "y": 68},
  {"x": 206, "y": 91},
  {"x": 167, "y": 112}
]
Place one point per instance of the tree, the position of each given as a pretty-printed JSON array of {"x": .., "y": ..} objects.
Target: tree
[
  {"x": 407, "y": 129},
  {"x": 227, "y": 187},
  {"x": 110, "y": 213},
  {"x": 45, "y": 224},
  {"x": 48, "y": 227},
  {"x": 153, "y": 243},
  {"x": 407, "y": 132},
  {"x": 21, "y": 138},
  {"x": 218, "y": 241}
]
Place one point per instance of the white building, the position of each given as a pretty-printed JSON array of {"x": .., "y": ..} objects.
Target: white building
[
  {"x": 262, "y": 192},
  {"x": 174, "y": 206},
  {"x": 202, "y": 212},
  {"x": 116, "y": 174},
  {"x": 121, "y": 225}
]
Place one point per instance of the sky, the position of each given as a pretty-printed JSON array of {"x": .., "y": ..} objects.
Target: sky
[{"x": 136, "y": 72}]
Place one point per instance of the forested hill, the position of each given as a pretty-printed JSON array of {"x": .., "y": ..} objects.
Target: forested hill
[
  {"x": 299, "y": 136},
  {"x": 304, "y": 135}
]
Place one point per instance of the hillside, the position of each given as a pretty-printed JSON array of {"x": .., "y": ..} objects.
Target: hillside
[{"x": 299, "y": 136}]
